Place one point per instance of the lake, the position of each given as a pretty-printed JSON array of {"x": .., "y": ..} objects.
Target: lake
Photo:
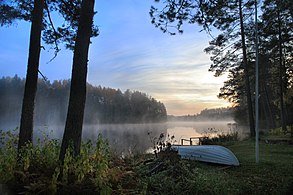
[{"x": 136, "y": 138}]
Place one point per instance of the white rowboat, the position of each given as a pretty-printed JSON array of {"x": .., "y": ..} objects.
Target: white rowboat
[{"x": 207, "y": 153}]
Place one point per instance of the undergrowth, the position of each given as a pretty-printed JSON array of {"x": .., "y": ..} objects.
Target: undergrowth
[
  {"x": 97, "y": 171},
  {"x": 36, "y": 169},
  {"x": 280, "y": 132},
  {"x": 221, "y": 139}
]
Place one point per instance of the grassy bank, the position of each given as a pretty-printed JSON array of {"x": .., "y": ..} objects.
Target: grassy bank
[
  {"x": 272, "y": 175},
  {"x": 99, "y": 171}
]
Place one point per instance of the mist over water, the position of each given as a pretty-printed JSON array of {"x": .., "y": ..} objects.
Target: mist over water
[
  {"x": 123, "y": 139},
  {"x": 129, "y": 139},
  {"x": 126, "y": 138},
  {"x": 106, "y": 105},
  {"x": 185, "y": 130}
]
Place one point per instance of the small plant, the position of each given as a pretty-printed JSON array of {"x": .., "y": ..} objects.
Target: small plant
[
  {"x": 101, "y": 158},
  {"x": 280, "y": 132},
  {"x": 26, "y": 155},
  {"x": 91, "y": 166},
  {"x": 161, "y": 143},
  {"x": 8, "y": 154},
  {"x": 53, "y": 185},
  {"x": 221, "y": 138},
  {"x": 67, "y": 164},
  {"x": 162, "y": 147},
  {"x": 83, "y": 165}
]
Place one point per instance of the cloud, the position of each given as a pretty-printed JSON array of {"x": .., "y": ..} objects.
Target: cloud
[
  {"x": 172, "y": 71},
  {"x": 130, "y": 53}
]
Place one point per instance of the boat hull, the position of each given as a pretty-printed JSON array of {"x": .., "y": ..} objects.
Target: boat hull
[{"x": 208, "y": 153}]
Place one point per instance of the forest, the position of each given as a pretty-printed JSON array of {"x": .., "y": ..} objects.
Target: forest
[
  {"x": 211, "y": 114},
  {"x": 254, "y": 49},
  {"x": 245, "y": 38},
  {"x": 103, "y": 105}
]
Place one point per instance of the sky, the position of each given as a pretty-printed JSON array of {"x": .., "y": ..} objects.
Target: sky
[{"x": 130, "y": 53}]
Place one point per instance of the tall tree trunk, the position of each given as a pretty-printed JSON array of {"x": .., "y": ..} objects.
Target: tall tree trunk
[
  {"x": 26, "y": 122},
  {"x": 246, "y": 73},
  {"x": 281, "y": 74},
  {"x": 268, "y": 95},
  {"x": 268, "y": 105},
  {"x": 75, "y": 113}
]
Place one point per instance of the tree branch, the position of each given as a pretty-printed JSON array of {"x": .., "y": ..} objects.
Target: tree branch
[{"x": 55, "y": 37}]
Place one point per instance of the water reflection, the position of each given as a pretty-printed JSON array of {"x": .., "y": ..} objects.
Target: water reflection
[
  {"x": 186, "y": 130},
  {"x": 126, "y": 138},
  {"x": 136, "y": 138},
  {"x": 123, "y": 138}
]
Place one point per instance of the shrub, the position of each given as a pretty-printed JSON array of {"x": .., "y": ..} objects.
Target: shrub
[
  {"x": 36, "y": 169},
  {"x": 221, "y": 138}
]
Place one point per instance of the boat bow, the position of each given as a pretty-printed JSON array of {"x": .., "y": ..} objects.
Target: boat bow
[{"x": 208, "y": 153}]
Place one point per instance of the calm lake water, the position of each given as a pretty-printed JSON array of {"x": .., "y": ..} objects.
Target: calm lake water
[{"x": 133, "y": 138}]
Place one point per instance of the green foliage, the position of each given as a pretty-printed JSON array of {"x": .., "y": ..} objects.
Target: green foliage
[
  {"x": 8, "y": 143},
  {"x": 280, "y": 131},
  {"x": 67, "y": 164},
  {"x": 277, "y": 131},
  {"x": 221, "y": 138},
  {"x": 36, "y": 169},
  {"x": 101, "y": 157},
  {"x": 25, "y": 155},
  {"x": 95, "y": 170},
  {"x": 91, "y": 166}
]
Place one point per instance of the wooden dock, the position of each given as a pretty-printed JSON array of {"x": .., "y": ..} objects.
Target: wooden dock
[{"x": 190, "y": 140}]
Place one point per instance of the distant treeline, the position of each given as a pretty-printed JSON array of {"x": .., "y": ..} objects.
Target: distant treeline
[
  {"x": 218, "y": 114},
  {"x": 103, "y": 105}
]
